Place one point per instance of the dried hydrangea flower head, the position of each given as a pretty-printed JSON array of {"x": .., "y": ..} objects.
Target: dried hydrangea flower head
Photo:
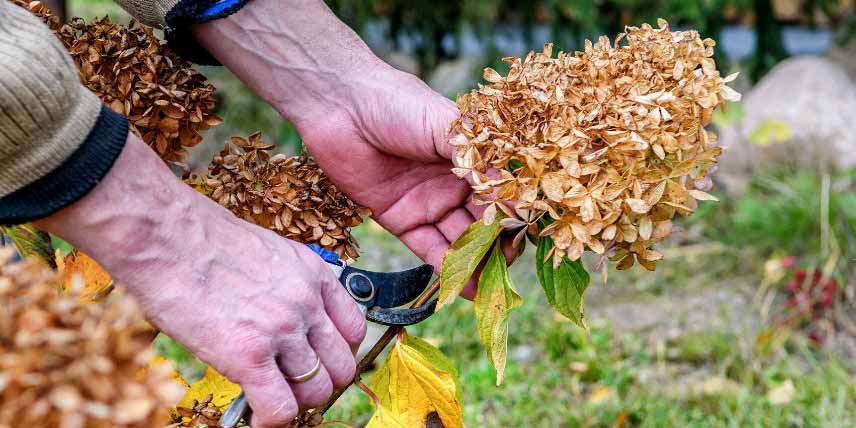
[
  {"x": 67, "y": 364},
  {"x": 598, "y": 149},
  {"x": 136, "y": 75},
  {"x": 200, "y": 414},
  {"x": 289, "y": 195}
]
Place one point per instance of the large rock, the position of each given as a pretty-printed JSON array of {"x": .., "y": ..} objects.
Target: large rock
[
  {"x": 802, "y": 112},
  {"x": 456, "y": 76}
]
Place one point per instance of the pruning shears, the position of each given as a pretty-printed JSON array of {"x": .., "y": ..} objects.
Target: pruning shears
[{"x": 379, "y": 296}]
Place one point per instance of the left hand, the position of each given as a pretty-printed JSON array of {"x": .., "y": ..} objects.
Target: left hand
[
  {"x": 389, "y": 152},
  {"x": 380, "y": 134}
]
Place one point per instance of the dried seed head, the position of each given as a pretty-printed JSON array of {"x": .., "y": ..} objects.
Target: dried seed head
[
  {"x": 202, "y": 414},
  {"x": 68, "y": 364},
  {"x": 600, "y": 148},
  {"x": 290, "y": 196},
  {"x": 136, "y": 75}
]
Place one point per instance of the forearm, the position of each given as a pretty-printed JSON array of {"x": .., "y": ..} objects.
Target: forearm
[
  {"x": 295, "y": 54},
  {"x": 135, "y": 218}
]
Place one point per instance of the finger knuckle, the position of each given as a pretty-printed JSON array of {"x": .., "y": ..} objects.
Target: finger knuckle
[
  {"x": 354, "y": 330},
  {"x": 278, "y": 418},
  {"x": 343, "y": 372},
  {"x": 318, "y": 393}
]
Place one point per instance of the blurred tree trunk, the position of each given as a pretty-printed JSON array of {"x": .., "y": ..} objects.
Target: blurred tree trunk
[
  {"x": 57, "y": 7},
  {"x": 769, "y": 45}
]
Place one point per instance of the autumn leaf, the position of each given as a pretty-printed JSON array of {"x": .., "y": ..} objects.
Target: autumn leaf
[
  {"x": 383, "y": 418},
  {"x": 222, "y": 390},
  {"x": 415, "y": 381},
  {"x": 94, "y": 282},
  {"x": 564, "y": 286},
  {"x": 496, "y": 298},
  {"x": 463, "y": 257},
  {"x": 30, "y": 242}
]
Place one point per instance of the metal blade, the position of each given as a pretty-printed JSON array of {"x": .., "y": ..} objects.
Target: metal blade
[
  {"x": 392, "y": 289},
  {"x": 239, "y": 409},
  {"x": 401, "y": 317}
]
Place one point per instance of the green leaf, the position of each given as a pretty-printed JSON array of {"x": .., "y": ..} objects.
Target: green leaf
[
  {"x": 496, "y": 298},
  {"x": 463, "y": 257},
  {"x": 30, "y": 242},
  {"x": 564, "y": 286}
]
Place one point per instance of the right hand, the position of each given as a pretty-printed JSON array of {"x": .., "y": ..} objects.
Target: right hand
[{"x": 253, "y": 305}]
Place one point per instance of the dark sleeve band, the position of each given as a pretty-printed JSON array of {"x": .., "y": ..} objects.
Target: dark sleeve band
[
  {"x": 179, "y": 26},
  {"x": 74, "y": 178}
]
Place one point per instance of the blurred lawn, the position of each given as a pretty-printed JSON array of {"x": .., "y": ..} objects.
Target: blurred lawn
[
  {"x": 559, "y": 376},
  {"x": 619, "y": 376}
]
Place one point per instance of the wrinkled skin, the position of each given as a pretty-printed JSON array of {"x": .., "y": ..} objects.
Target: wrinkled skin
[
  {"x": 244, "y": 300},
  {"x": 252, "y": 304}
]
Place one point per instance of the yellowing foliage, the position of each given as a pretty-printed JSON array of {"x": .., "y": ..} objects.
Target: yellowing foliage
[
  {"x": 463, "y": 257},
  {"x": 416, "y": 381},
  {"x": 496, "y": 298},
  {"x": 81, "y": 274},
  {"x": 221, "y": 389}
]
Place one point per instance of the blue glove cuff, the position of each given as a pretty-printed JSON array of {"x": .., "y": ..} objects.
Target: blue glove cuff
[
  {"x": 327, "y": 255},
  {"x": 180, "y": 20}
]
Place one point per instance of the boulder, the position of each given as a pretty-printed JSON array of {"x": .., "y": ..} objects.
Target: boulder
[
  {"x": 802, "y": 113},
  {"x": 455, "y": 76}
]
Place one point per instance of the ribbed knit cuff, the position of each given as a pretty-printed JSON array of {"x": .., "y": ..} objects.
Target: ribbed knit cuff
[
  {"x": 74, "y": 178},
  {"x": 180, "y": 20}
]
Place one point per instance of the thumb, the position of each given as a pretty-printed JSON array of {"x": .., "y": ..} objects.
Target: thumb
[{"x": 439, "y": 116}]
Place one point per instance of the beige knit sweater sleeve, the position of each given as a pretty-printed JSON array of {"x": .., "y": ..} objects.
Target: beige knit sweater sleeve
[
  {"x": 57, "y": 140},
  {"x": 45, "y": 113}
]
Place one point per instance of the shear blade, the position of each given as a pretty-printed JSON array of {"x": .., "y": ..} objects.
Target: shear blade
[
  {"x": 394, "y": 289},
  {"x": 401, "y": 317}
]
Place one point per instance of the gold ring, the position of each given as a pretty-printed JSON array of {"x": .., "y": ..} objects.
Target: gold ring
[{"x": 308, "y": 375}]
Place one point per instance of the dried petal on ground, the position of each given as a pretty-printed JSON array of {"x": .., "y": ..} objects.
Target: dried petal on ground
[{"x": 608, "y": 142}]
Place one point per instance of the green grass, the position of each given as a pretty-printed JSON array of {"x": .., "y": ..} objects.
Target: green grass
[{"x": 710, "y": 377}]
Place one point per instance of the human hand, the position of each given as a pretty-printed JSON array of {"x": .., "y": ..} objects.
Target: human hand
[
  {"x": 251, "y": 304},
  {"x": 379, "y": 134}
]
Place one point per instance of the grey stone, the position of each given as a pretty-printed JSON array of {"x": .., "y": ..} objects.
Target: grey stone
[
  {"x": 813, "y": 100},
  {"x": 453, "y": 77}
]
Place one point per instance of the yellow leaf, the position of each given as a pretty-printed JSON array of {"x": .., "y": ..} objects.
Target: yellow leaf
[
  {"x": 383, "y": 418},
  {"x": 222, "y": 390},
  {"x": 770, "y": 131},
  {"x": 30, "y": 242},
  {"x": 415, "y": 381},
  {"x": 463, "y": 256},
  {"x": 80, "y": 272},
  {"x": 601, "y": 393},
  {"x": 495, "y": 300}
]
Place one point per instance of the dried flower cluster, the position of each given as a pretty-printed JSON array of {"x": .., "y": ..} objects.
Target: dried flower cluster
[
  {"x": 72, "y": 365},
  {"x": 136, "y": 75},
  {"x": 201, "y": 414},
  {"x": 290, "y": 196},
  {"x": 596, "y": 149}
]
